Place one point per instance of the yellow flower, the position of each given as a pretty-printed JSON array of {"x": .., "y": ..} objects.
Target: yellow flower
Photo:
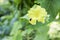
[
  {"x": 32, "y": 21},
  {"x": 41, "y": 20},
  {"x": 37, "y": 13}
]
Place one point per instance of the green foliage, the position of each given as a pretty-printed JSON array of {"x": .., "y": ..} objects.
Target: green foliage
[{"x": 15, "y": 26}]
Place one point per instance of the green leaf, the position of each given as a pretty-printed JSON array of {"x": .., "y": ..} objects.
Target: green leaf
[
  {"x": 17, "y": 36},
  {"x": 17, "y": 1},
  {"x": 41, "y": 32},
  {"x": 52, "y": 7},
  {"x": 15, "y": 28}
]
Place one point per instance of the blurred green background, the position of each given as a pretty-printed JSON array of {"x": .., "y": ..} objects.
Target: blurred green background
[{"x": 13, "y": 27}]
